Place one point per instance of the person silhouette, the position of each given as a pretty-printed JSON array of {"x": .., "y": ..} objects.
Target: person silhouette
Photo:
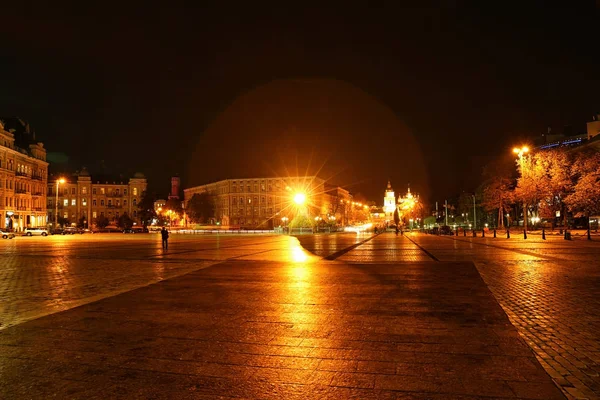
[{"x": 164, "y": 233}]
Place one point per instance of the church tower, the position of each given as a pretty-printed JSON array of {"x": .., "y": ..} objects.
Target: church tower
[{"x": 389, "y": 201}]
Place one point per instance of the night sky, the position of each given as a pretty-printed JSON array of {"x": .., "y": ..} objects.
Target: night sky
[{"x": 424, "y": 96}]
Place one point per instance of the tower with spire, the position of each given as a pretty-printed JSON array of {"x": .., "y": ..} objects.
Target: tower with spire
[{"x": 389, "y": 201}]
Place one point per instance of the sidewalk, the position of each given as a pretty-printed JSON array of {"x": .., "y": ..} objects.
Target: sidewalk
[{"x": 281, "y": 331}]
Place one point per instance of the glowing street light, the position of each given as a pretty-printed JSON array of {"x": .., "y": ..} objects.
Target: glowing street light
[
  {"x": 521, "y": 150},
  {"x": 299, "y": 198},
  {"x": 58, "y": 182}
]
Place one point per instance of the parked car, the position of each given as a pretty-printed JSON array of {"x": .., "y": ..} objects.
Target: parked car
[
  {"x": 70, "y": 230},
  {"x": 446, "y": 230},
  {"x": 6, "y": 234},
  {"x": 135, "y": 230},
  {"x": 36, "y": 232}
]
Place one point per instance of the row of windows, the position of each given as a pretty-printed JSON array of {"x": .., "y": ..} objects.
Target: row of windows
[
  {"x": 22, "y": 186},
  {"x": 84, "y": 202},
  {"x": 84, "y": 190},
  {"x": 94, "y": 214},
  {"x": 21, "y": 168},
  {"x": 20, "y": 203}
]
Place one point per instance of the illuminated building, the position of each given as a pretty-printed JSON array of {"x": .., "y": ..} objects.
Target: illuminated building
[
  {"x": 389, "y": 202},
  {"x": 261, "y": 203},
  {"x": 23, "y": 177},
  {"x": 81, "y": 198}
]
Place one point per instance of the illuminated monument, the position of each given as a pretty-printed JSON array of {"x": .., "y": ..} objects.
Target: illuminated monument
[{"x": 389, "y": 202}]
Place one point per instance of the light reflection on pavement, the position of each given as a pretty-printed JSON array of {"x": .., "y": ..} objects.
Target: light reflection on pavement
[
  {"x": 44, "y": 275},
  {"x": 548, "y": 288}
]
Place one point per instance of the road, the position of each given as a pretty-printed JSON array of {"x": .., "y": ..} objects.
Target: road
[{"x": 547, "y": 289}]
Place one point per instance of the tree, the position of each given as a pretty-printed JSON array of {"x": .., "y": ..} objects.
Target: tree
[
  {"x": 585, "y": 197},
  {"x": 146, "y": 211},
  {"x": 558, "y": 183},
  {"x": 175, "y": 206},
  {"x": 81, "y": 223},
  {"x": 497, "y": 195},
  {"x": 124, "y": 221},
  {"x": 200, "y": 208},
  {"x": 102, "y": 222},
  {"x": 532, "y": 183},
  {"x": 62, "y": 221}
]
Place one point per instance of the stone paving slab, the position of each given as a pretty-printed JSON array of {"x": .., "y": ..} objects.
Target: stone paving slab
[{"x": 295, "y": 330}]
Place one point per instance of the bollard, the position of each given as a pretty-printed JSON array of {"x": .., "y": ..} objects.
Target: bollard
[
  {"x": 567, "y": 235},
  {"x": 589, "y": 234},
  {"x": 543, "y": 234},
  {"x": 494, "y": 233},
  {"x": 524, "y": 234},
  {"x": 456, "y": 232},
  {"x": 507, "y": 234},
  {"x": 464, "y": 232},
  {"x": 474, "y": 233},
  {"x": 483, "y": 233}
]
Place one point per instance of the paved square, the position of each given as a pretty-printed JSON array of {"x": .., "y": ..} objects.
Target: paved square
[{"x": 250, "y": 328}]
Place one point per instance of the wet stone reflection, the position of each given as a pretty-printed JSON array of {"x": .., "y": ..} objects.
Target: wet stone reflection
[{"x": 357, "y": 316}]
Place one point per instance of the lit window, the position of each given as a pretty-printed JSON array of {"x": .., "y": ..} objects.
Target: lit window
[
  {"x": 66, "y": 202},
  {"x": 135, "y": 191},
  {"x": 73, "y": 202},
  {"x": 84, "y": 190},
  {"x": 84, "y": 202},
  {"x": 94, "y": 215},
  {"x": 102, "y": 191}
]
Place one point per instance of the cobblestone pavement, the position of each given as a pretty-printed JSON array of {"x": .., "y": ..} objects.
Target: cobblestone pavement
[
  {"x": 549, "y": 289},
  {"x": 44, "y": 275},
  {"x": 297, "y": 328}
]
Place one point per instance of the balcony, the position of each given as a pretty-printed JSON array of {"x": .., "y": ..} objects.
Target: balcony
[
  {"x": 37, "y": 194},
  {"x": 115, "y": 195},
  {"x": 19, "y": 173},
  {"x": 20, "y": 208},
  {"x": 37, "y": 177},
  {"x": 37, "y": 209},
  {"x": 20, "y": 191}
]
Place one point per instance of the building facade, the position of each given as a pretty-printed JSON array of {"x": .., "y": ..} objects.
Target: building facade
[
  {"x": 81, "y": 200},
  {"x": 23, "y": 178},
  {"x": 264, "y": 203}
]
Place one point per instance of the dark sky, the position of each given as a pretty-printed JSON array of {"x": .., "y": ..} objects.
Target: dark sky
[{"x": 209, "y": 92}]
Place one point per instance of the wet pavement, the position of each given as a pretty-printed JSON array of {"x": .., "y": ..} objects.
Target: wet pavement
[
  {"x": 259, "y": 317},
  {"x": 548, "y": 288}
]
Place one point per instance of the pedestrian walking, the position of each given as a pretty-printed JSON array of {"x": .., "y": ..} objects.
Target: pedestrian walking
[{"x": 164, "y": 233}]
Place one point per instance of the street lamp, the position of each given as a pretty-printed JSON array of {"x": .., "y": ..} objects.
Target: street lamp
[
  {"x": 284, "y": 220},
  {"x": 474, "y": 214},
  {"x": 58, "y": 182},
  {"x": 521, "y": 152}
]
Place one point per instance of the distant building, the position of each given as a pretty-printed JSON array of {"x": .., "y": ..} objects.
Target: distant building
[
  {"x": 86, "y": 199},
  {"x": 550, "y": 140},
  {"x": 593, "y": 127},
  {"x": 389, "y": 202},
  {"x": 175, "y": 188},
  {"x": 265, "y": 202},
  {"x": 23, "y": 177},
  {"x": 159, "y": 204}
]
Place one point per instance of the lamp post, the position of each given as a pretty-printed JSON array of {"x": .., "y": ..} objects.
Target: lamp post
[
  {"x": 520, "y": 152},
  {"x": 58, "y": 182},
  {"x": 474, "y": 214}
]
